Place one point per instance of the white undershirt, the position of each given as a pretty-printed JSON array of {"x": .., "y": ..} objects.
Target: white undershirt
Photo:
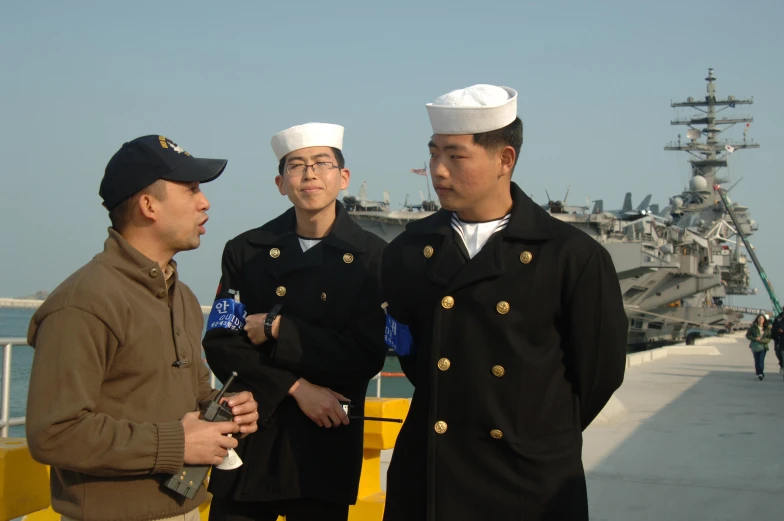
[
  {"x": 476, "y": 235},
  {"x": 307, "y": 244}
]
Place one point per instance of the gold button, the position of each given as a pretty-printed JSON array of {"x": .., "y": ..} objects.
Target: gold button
[
  {"x": 440, "y": 427},
  {"x": 496, "y": 434},
  {"x": 274, "y": 253},
  {"x": 444, "y": 364},
  {"x": 177, "y": 330},
  {"x": 498, "y": 370},
  {"x": 280, "y": 291},
  {"x": 154, "y": 272},
  {"x": 447, "y": 302},
  {"x": 526, "y": 257},
  {"x": 323, "y": 297},
  {"x": 428, "y": 251},
  {"x": 348, "y": 258},
  {"x": 502, "y": 307},
  {"x": 161, "y": 294}
]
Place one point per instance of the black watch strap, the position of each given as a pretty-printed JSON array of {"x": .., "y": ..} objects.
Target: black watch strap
[{"x": 271, "y": 316}]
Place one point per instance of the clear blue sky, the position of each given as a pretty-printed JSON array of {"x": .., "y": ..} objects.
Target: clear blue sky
[{"x": 77, "y": 79}]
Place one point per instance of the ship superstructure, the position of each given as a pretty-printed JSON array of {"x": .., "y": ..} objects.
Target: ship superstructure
[{"x": 676, "y": 265}]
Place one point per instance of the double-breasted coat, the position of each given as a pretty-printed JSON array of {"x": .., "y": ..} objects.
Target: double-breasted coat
[
  {"x": 330, "y": 334},
  {"x": 515, "y": 352}
]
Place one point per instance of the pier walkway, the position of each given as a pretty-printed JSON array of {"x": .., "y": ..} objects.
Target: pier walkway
[{"x": 701, "y": 439}]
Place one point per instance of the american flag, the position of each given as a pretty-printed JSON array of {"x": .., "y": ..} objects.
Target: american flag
[{"x": 419, "y": 171}]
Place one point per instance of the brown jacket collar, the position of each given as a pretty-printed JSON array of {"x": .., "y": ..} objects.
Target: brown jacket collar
[{"x": 129, "y": 261}]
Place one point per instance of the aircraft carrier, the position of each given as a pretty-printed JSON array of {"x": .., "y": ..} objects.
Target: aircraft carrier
[{"x": 676, "y": 264}]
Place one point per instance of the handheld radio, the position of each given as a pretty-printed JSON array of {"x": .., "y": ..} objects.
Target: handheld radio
[{"x": 188, "y": 480}]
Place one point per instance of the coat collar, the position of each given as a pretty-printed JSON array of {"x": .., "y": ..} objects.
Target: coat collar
[
  {"x": 129, "y": 261},
  {"x": 450, "y": 269},
  {"x": 345, "y": 235},
  {"x": 528, "y": 222}
]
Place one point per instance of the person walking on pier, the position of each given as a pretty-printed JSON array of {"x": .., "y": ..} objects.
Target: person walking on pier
[
  {"x": 308, "y": 280},
  {"x": 117, "y": 379},
  {"x": 760, "y": 334},
  {"x": 509, "y": 323}
]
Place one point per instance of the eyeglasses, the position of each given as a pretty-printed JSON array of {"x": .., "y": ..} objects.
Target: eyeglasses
[{"x": 320, "y": 168}]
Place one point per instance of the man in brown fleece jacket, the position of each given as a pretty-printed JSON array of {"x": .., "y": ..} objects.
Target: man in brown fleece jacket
[{"x": 117, "y": 378}]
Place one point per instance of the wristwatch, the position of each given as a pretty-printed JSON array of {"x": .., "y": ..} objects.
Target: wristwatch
[{"x": 271, "y": 316}]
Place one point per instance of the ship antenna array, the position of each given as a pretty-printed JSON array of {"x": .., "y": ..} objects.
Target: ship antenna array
[{"x": 710, "y": 154}]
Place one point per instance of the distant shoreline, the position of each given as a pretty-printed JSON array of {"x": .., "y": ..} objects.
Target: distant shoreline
[
  {"x": 24, "y": 303},
  {"x": 20, "y": 303}
]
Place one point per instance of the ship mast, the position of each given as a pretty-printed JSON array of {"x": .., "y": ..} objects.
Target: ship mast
[
  {"x": 429, "y": 198},
  {"x": 710, "y": 154},
  {"x": 423, "y": 172}
]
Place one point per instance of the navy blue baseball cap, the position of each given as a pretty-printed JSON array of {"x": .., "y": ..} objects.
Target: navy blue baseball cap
[{"x": 141, "y": 162}]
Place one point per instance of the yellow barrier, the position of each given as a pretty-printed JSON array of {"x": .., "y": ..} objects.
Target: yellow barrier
[
  {"x": 24, "y": 483},
  {"x": 378, "y": 436}
]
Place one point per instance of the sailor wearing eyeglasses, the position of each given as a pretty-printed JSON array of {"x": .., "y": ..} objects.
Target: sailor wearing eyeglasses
[{"x": 306, "y": 285}]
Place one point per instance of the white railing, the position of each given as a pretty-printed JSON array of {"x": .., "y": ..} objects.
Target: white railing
[
  {"x": 6, "y": 422},
  {"x": 377, "y": 378}
]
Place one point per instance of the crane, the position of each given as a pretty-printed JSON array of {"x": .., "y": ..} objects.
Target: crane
[{"x": 723, "y": 195}]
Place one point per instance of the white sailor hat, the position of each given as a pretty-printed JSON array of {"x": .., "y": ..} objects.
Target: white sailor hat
[
  {"x": 307, "y": 135},
  {"x": 473, "y": 110}
]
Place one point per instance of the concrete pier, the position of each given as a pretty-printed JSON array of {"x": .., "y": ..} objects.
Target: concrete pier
[{"x": 701, "y": 439}]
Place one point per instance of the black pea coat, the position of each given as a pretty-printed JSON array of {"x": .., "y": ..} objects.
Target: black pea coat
[
  {"x": 515, "y": 353},
  {"x": 330, "y": 334}
]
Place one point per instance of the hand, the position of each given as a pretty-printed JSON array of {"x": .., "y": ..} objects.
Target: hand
[
  {"x": 206, "y": 443},
  {"x": 320, "y": 404},
  {"x": 245, "y": 411},
  {"x": 254, "y": 325}
]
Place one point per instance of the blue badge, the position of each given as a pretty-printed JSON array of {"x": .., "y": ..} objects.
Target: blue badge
[
  {"x": 398, "y": 337},
  {"x": 226, "y": 313}
]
